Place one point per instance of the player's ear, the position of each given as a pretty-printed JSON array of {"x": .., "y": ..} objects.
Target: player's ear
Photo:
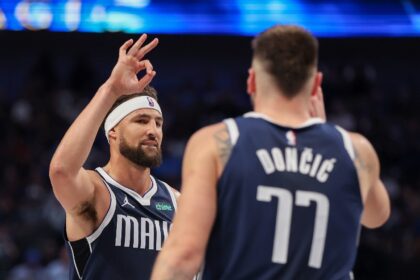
[
  {"x": 112, "y": 134},
  {"x": 250, "y": 82},
  {"x": 317, "y": 83}
]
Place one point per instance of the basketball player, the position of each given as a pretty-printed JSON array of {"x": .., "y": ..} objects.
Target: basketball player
[
  {"x": 275, "y": 194},
  {"x": 118, "y": 216}
]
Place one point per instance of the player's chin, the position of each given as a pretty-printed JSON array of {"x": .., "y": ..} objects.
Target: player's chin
[{"x": 151, "y": 151}]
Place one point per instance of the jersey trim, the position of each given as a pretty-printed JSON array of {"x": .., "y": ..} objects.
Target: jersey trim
[
  {"x": 74, "y": 260},
  {"x": 80, "y": 251},
  {"x": 199, "y": 275},
  {"x": 171, "y": 193},
  {"x": 143, "y": 200},
  {"x": 91, "y": 238},
  {"x": 347, "y": 141},
  {"x": 233, "y": 130},
  {"x": 309, "y": 122}
]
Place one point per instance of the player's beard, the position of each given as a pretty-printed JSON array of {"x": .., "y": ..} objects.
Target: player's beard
[{"x": 139, "y": 156}]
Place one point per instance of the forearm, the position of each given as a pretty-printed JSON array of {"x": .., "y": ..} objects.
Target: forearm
[
  {"x": 169, "y": 272},
  {"x": 377, "y": 207},
  {"x": 169, "y": 267},
  {"x": 178, "y": 259},
  {"x": 76, "y": 144}
]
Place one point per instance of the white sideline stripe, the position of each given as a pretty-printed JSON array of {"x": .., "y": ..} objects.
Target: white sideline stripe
[
  {"x": 347, "y": 141},
  {"x": 233, "y": 130},
  {"x": 91, "y": 238}
]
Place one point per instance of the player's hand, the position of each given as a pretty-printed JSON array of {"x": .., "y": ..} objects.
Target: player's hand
[
  {"x": 124, "y": 79},
  {"x": 317, "y": 106}
]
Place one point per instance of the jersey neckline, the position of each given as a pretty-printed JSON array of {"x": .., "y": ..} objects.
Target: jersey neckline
[
  {"x": 143, "y": 200},
  {"x": 307, "y": 123}
]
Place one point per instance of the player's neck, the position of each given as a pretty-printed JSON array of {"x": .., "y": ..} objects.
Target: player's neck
[
  {"x": 129, "y": 174},
  {"x": 288, "y": 112}
]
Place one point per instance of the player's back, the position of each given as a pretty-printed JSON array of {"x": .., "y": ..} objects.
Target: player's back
[{"x": 289, "y": 204}]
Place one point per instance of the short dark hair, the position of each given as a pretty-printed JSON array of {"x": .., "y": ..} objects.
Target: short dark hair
[
  {"x": 147, "y": 91},
  {"x": 288, "y": 53}
]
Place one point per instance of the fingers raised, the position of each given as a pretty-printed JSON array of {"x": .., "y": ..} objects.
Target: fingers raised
[
  {"x": 137, "y": 50},
  {"x": 125, "y": 46},
  {"x": 137, "y": 45},
  {"x": 144, "y": 50}
]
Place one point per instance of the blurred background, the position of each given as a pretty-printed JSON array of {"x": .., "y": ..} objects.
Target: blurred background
[{"x": 56, "y": 53}]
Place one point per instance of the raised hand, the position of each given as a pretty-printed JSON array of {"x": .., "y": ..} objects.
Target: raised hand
[{"x": 124, "y": 79}]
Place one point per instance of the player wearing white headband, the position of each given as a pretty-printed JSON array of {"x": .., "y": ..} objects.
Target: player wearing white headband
[{"x": 117, "y": 216}]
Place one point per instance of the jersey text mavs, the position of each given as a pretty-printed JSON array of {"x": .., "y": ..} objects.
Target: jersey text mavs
[{"x": 132, "y": 233}]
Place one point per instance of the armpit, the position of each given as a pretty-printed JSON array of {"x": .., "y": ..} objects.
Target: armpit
[{"x": 87, "y": 211}]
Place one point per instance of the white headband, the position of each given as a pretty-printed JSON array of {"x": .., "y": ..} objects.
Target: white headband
[{"x": 125, "y": 108}]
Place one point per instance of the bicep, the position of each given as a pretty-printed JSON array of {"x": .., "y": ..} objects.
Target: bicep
[
  {"x": 197, "y": 203},
  {"x": 376, "y": 202},
  {"x": 72, "y": 190}
]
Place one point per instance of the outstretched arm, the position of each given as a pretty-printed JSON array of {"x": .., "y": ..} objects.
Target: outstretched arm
[
  {"x": 71, "y": 183},
  {"x": 376, "y": 201}
]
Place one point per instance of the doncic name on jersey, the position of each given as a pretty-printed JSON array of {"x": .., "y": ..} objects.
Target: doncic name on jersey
[{"x": 290, "y": 159}]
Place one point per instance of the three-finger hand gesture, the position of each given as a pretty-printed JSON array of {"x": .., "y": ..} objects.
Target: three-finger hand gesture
[{"x": 124, "y": 79}]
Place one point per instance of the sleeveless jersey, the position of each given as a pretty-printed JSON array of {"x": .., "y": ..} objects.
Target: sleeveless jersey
[
  {"x": 131, "y": 235},
  {"x": 289, "y": 203}
]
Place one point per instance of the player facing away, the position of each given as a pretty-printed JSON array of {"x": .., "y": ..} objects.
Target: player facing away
[
  {"x": 275, "y": 194},
  {"x": 118, "y": 216}
]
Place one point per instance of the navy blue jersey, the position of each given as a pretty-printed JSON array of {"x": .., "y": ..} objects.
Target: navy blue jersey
[
  {"x": 127, "y": 242},
  {"x": 289, "y": 203}
]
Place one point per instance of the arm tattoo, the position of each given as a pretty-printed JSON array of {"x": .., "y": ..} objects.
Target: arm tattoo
[
  {"x": 361, "y": 164},
  {"x": 223, "y": 143}
]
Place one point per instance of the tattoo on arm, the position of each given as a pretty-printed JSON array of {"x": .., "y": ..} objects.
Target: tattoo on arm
[
  {"x": 223, "y": 143},
  {"x": 360, "y": 162}
]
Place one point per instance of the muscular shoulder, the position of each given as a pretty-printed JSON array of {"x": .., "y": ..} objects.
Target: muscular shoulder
[
  {"x": 364, "y": 151},
  {"x": 215, "y": 139},
  {"x": 206, "y": 133},
  {"x": 366, "y": 162},
  {"x": 213, "y": 142},
  {"x": 86, "y": 215}
]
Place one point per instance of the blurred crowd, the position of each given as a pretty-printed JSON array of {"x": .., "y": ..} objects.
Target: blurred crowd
[{"x": 39, "y": 100}]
